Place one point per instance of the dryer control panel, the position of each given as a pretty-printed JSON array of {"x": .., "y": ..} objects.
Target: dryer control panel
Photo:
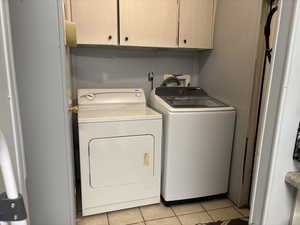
[{"x": 101, "y": 97}]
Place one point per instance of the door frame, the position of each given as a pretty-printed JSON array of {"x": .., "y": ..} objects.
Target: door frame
[
  {"x": 268, "y": 167},
  {"x": 259, "y": 81}
]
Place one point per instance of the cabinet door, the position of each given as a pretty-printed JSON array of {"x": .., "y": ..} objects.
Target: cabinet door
[
  {"x": 96, "y": 21},
  {"x": 149, "y": 23},
  {"x": 196, "y": 23}
]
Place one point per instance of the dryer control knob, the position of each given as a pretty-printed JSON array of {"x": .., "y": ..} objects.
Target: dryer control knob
[{"x": 90, "y": 97}]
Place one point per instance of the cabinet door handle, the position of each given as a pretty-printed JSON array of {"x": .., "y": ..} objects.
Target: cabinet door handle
[
  {"x": 184, "y": 41},
  {"x": 126, "y": 38},
  {"x": 109, "y": 37}
]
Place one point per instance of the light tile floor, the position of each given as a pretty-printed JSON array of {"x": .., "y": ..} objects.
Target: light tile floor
[{"x": 183, "y": 214}]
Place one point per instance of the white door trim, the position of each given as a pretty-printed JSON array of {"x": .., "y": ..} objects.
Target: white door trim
[
  {"x": 278, "y": 163},
  {"x": 5, "y": 32},
  {"x": 279, "y": 124}
]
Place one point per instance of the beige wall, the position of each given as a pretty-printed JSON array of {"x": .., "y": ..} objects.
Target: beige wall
[
  {"x": 228, "y": 72},
  {"x": 111, "y": 67}
]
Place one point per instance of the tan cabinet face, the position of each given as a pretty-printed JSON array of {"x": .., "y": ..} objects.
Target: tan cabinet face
[
  {"x": 196, "y": 23},
  {"x": 149, "y": 23},
  {"x": 96, "y": 21}
]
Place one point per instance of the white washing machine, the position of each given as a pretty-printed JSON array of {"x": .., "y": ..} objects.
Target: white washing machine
[
  {"x": 120, "y": 150},
  {"x": 197, "y": 142}
]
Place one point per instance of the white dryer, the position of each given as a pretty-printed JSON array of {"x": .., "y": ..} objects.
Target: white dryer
[
  {"x": 120, "y": 150},
  {"x": 198, "y": 136}
]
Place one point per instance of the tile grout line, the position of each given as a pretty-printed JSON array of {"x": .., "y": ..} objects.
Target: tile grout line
[
  {"x": 207, "y": 213},
  {"x": 155, "y": 219},
  {"x": 144, "y": 221},
  {"x": 239, "y": 212},
  {"x": 221, "y": 208},
  {"x": 107, "y": 218},
  {"x": 232, "y": 206},
  {"x": 176, "y": 215},
  {"x": 161, "y": 218},
  {"x": 186, "y": 214}
]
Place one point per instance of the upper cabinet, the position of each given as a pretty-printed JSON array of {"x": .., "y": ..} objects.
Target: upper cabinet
[
  {"x": 96, "y": 21},
  {"x": 196, "y": 23},
  {"x": 149, "y": 23},
  {"x": 145, "y": 23}
]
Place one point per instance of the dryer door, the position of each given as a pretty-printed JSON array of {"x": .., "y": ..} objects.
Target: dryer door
[
  {"x": 119, "y": 164},
  {"x": 120, "y": 160}
]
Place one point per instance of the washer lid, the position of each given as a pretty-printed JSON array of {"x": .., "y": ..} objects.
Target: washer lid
[
  {"x": 120, "y": 114},
  {"x": 193, "y": 102}
]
